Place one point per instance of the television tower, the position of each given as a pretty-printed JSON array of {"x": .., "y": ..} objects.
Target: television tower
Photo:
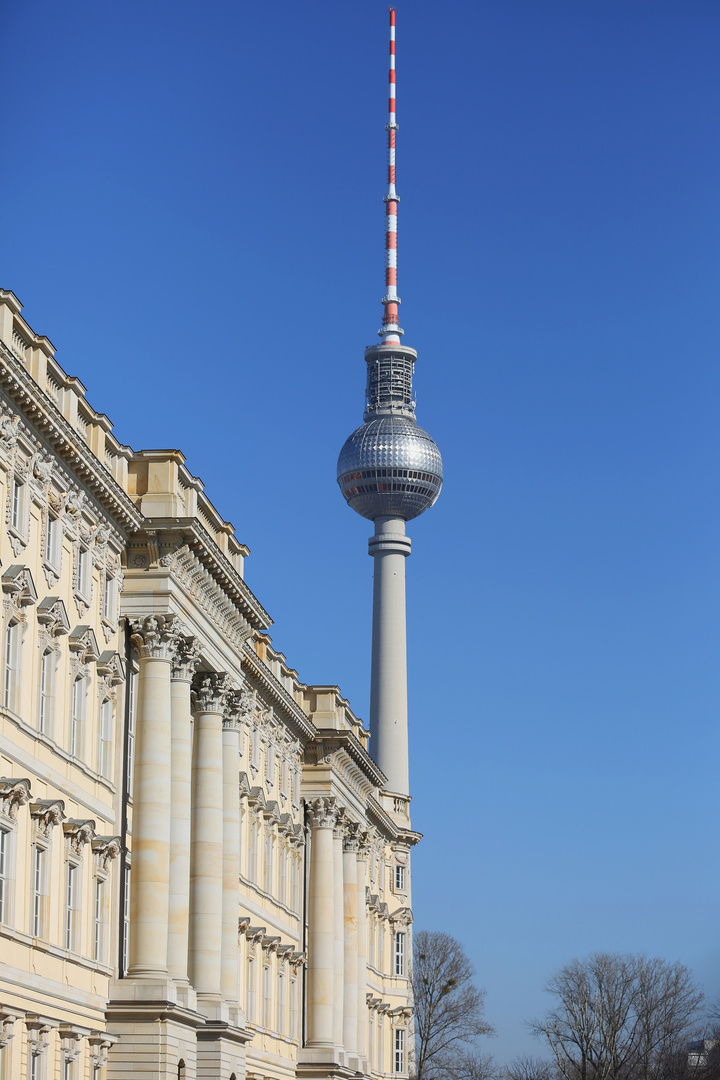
[{"x": 390, "y": 471}]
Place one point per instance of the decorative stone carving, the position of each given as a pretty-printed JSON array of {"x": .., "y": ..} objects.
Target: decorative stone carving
[
  {"x": 83, "y": 644},
  {"x": 38, "y": 1029},
  {"x": 236, "y": 706},
  {"x": 47, "y": 813},
  {"x": 71, "y": 1039},
  {"x": 154, "y": 636},
  {"x": 401, "y": 917},
  {"x": 352, "y": 840},
  {"x": 111, "y": 671},
  {"x": 106, "y": 848},
  {"x": 322, "y": 813},
  {"x": 42, "y": 466},
  {"x": 9, "y": 427},
  {"x": 52, "y": 616},
  {"x": 14, "y": 792},
  {"x": 19, "y": 587},
  {"x": 7, "y": 1024},
  {"x": 79, "y": 834},
  {"x": 208, "y": 595},
  {"x": 100, "y": 1043},
  {"x": 185, "y": 657},
  {"x": 209, "y": 691}
]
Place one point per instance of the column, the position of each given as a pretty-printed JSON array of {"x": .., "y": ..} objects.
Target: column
[
  {"x": 321, "y": 930},
  {"x": 339, "y": 924},
  {"x": 362, "y": 866},
  {"x": 350, "y": 912},
  {"x": 206, "y": 839},
  {"x": 231, "y": 849},
  {"x": 153, "y": 638},
  {"x": 389, "y": 548},
  {"x": 185, "y": 658}
]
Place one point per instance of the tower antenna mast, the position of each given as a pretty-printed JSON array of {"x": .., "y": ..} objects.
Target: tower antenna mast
[{"x": 390, "y": 331}]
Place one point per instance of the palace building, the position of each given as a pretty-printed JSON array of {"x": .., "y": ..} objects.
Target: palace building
[{"x": 202, "y": 874}]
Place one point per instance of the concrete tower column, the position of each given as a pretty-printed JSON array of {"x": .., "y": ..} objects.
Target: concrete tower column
[
  {"x": 339, "y": 923},
  {"x": 321, "y": 919},
  {"x": 185, "y": 658},
  {"x": 350, "y": 911},
  {"x": 389, "y": 548},
  {"x": 153, "y": 638},
  {"x": 362, "y": 866},
  {"x": 231, "y": 852},
  {"x": 206, "y": 842}
]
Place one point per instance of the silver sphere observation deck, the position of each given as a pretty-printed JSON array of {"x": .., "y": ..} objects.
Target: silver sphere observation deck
[{"x": 390, "y": 466}]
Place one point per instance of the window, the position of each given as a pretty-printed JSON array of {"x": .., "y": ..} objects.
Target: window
[
  {"x": 77, "y": 718},
  {"x": 109, "y": 599},
  {"x": 399, "y": 1063},
  {"x": 39, "y": 874},
  {"x": 12, "y": 666},
  {"x": 71, "y": 906},
  {"x": 17, "y": 512},
  {"x": 282, "y": 891},
  {"x": 35, "y": 1063},
  {"x": 270, "y": 763},
  {"x": 400, "y": 953},
  {"x": 98, "y": 920},
  {"x": 267, "y": 998},
  {"x": 47, "y": 692},
  {"x": 105, "y": 739},
  {"x": 380, "y": 1040},
  {"x": 293, "y": 1008},
  {"x": 132, "y": 693},
  {"x": 53, "y": 542},
  {"x": 371, "y": 1040},
  {"x": 400, "y": 878},
  {"x": 4, "y": 872},
  {"x": 284, "y": 776},
  {"x": 251, "y": 990},
  {"x": 84, "y": 572},
  {"x": 280, "y": 1011},
  {"x": 255, "y": 759},
  {"x": 268, "y": 862},
  {"x": 126, "y": 921},
  {"x": 252, "y": 853}
]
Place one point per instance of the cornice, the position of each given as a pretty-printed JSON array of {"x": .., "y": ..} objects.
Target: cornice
[
  {"x": 350, "y": 743},
  {"x": 260, "y": 673},
  {"x": 192, "y": 532},
  {"x": 382, "y": 820},
  {"x": 67, "y": 443}
]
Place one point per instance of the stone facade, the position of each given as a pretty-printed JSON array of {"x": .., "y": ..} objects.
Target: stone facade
[{"x": 201, "y": 874}]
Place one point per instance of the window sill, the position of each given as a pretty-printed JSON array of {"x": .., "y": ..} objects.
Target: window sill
[{"x": 51, "y": 745}]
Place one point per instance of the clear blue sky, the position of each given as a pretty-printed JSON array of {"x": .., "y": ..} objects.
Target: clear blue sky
[{"x": 192, "y": 213}]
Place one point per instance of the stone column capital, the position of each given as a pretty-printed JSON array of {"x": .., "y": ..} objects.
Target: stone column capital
[
  {"x": 238, "y": 706},
  {"x": 209, "y": 690},
  {"x": 185, "y": 657},
  {"x": 323, "y": 813},
  {"x": 154, "y": 636}
]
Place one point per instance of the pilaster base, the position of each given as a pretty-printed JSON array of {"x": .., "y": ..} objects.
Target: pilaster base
[
  {"x": 320, "y": 1062},
  {"x": 221, "y": 1051},
  {"x": 155, "y": 1031}
]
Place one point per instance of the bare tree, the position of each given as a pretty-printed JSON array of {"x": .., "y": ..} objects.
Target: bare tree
[
  {"x": 527, "y": 1067},
  {"x": 448, "y": 1011},
  {"x": 619, "y": 1017}
]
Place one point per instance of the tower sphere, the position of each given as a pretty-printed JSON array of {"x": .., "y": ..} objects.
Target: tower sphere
[{"x": 390, "y": 466}]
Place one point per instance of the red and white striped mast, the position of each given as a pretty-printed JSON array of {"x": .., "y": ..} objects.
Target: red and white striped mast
[{"x": 391, "y": 331}]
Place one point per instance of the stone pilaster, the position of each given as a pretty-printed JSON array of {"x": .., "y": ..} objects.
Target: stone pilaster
[
  {"x": 206, "y": 843},
  {"x": 362, "y": 869},
  {"x": 231, "y": 847},
  {"x": 185, "y": 657}
]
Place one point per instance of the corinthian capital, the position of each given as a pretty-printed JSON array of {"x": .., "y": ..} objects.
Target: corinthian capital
[
  {"x": 210, "y": 688},
  {"x": 154, "y": 636},
  {"x": 323, "y": 813},
  {"x": 185, "y": 657}
]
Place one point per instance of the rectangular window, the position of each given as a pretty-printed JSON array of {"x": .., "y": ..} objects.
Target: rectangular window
[
  {"x": 35, "y": 1062},
  {"x": 400, "y": 953},
  {"x": 132, "y": 692},
  {"x": 251, "y": 990},
  {"x": 84, "y": 572},
  {"x": 280, "y": 1011},
  {"x": 252, "y": 854},
  {"x": 18, "y": 499},
  {"x": 77, "y": 718},
  {"x": 282, "y": 891},
  {"x": 268, "y": 863},
  {"x": 293, "y": 1008},
  {"x": 105, "y": 744},
  {"x": 47, "y": 692},
  {"x": 267, "y": 998},
  {"x": 39, "y": 860},
  {"x": 12, "y": 667},
  {"x": 256, "y": 748},
  {"x": 126, "y": 921},
  {"x": 53, "y": 542},
  {"x": 109, "y": 599},
  {"x": 4, "y": 868},
  {"x": 72, "y": 900},
  {"x": 399, "y": 1050},
  {"x": 98, "y": 920},
  {"x": 400, "y": 879}
]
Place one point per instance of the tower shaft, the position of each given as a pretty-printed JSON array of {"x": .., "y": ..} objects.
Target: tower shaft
[{"x": 389, "y": 548}]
